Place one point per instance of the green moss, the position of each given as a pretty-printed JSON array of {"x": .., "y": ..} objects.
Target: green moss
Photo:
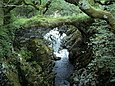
[
  {"x": 20, "y": 22},
  {"x": 5, "y": 42},
  {"x": 38, "y": 47},
  {"x": 46, "y": 21},
  {"x": 13, "y": 77}
]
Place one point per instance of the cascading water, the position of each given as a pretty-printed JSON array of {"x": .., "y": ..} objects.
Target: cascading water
[{"x": 62, "y": 68}]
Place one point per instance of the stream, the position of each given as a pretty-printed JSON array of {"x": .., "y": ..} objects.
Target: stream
[{"x": 62, "y": 68}]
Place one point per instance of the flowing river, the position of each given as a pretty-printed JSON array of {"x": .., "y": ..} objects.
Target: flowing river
[{"x": 63, "y": 68}]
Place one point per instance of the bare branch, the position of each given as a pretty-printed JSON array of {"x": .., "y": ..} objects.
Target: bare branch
[
  {"x": 10, "y": 7},
  {"x": 6, "y": 5},
  {"x": 31, "y": 4},
  {"x": 46, "y": 6}
]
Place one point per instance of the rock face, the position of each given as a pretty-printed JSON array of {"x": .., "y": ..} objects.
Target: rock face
[
  {"x": 93, "y": 58},
  {"x": 30, "y": 64},
  {"x": 62, "y": 67},
  {"x": 80, "y": 52}
]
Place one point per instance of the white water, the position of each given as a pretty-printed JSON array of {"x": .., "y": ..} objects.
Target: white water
[{"x": 62, "y": 68}]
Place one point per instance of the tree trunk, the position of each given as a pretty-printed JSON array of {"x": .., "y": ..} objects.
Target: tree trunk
[{"x": 94, "y": 13}]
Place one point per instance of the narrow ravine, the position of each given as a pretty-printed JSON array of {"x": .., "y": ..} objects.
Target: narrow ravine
[{"x": 62, "y": 68}]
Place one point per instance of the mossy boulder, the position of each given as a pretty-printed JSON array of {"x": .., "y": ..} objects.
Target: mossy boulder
[
  {"x": 41, "y": 52},
  {"x": 30, "y": 62}
]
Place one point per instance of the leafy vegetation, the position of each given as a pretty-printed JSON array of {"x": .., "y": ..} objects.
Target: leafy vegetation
[{"x": 25, "y": 58}]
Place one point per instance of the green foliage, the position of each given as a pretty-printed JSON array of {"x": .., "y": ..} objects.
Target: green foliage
[
  {"x": 103, "y": 43},
  {"x": 24, "y": 11},
  {"x": 63, "y": 8},
  {"x": 1, "y": 15},
  {"x": 59, "y": 6},
  {"x": 111, "y": 8},
  {"x": 5, "y": 43},
  {"x": 21, "y": 65},
  {"x": 35, "y": 61}
]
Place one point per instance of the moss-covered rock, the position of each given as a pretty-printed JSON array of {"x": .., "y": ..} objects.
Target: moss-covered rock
[
  {"x": 47, "y": 21},
  {"x": 41, "y": 52},
  {"x": 29, "y": 63},
  {"x": 100, "y": 70},
  {"x": 36, "y": 70}
]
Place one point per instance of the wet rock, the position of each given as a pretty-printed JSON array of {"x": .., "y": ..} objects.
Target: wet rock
[
  {"x": 24, "y": 35},
  {"x": 57, "y": 58},
  {"x": 80, "y": 52},
  {"x": 94, "y": 61}
]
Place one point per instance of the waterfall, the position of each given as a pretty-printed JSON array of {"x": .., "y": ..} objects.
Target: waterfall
[{"x": 63, "y": 69}]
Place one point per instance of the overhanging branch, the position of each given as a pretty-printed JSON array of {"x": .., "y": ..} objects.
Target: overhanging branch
[
  {"x": 94, "y": 13},
  {"x": 10, "y": 7}
]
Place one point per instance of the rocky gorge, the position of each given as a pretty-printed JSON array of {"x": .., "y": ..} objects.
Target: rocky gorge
[{"x": 27, "y": 58}]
